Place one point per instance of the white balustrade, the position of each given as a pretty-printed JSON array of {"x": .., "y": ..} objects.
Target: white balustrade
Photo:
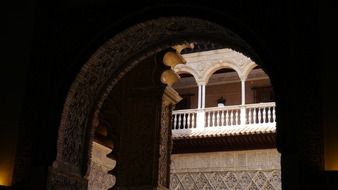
[
  {"x": 222, "y": 116},
  {"x": 184, "y": 119},
  {"x": 261, "y": 113}
]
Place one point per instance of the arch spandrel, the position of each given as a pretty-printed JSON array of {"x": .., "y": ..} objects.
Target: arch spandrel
[
  {"x": 179, "y": 69},
  {"x": 203, "y": 64}
]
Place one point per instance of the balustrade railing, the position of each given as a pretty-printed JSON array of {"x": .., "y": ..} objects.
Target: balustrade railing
[
  {"x": 184, "y": 119},
  {"x": 249, "y": 114},
  {"x": 222, "y": 116},
  {"x": 262, "y": 113}
]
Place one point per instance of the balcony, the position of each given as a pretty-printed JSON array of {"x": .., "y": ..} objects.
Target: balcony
[{"x": 227, "y": 120}]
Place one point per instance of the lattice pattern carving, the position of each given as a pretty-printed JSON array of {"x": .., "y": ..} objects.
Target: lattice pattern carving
[{"x": 221, "y": 180}]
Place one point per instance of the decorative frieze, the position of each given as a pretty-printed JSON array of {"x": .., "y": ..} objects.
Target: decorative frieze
[
  {"x": 253, "y": 169},
  {"x": 249, "y": 179}
]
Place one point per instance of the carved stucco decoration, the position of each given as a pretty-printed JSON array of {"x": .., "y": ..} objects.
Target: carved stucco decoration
[
  {"x": 203, "y": 64},
  {"x": 170, "y": 98},
  {"x": 164, "y": 150},
  {"x": 105, "y": 68},
  {"x": 246, "y": 179},
  {"x": 98, "y": 177}
]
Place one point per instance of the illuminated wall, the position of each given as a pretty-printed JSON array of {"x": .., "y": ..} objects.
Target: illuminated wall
[{"x": 7, "y": 155}]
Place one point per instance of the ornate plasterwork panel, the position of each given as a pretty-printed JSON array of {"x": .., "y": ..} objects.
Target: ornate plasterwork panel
[
  {"x": 222, "y": 180},
  {"x": 98, "y": 178},
  {"x": 253, "y": 169},
  {"x": 203, "y": 64}
]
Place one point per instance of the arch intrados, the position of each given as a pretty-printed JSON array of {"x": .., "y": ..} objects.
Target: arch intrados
[
  {"x": 187, "y": 71},
  {"x": 217, "y": 67}
]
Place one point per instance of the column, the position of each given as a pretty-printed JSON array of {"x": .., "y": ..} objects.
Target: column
[
  {"x": 203, "y": 96},
  {"x": 243, "y": 108},
  {"x": 199, "y": 97},
  {"x": 201, "y": 105}
]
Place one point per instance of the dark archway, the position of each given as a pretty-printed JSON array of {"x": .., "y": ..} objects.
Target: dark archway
[
  {"x": 124, "y": 51},
  {"x": 103, "y": 71},
  {"x": 50, "y": 42}
]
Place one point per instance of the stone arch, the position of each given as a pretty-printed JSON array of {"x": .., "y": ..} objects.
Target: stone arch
[
  {"x": 218, "y": 66},
  {"x": 247, "y": 70},
  {"x": 102, "y": 71},
  {"x": 188, "y": 70}
]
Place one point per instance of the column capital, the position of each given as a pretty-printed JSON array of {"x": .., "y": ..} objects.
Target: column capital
[{"x": 201, "y": 83}]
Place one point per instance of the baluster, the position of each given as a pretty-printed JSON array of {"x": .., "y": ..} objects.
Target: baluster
[
  {"x": 249, "y": 116},
  {"x": 236, "y": 117},
  {"x": 254, "y": 115},
  {"x": 231, "y": 117},
  {"x": 214, "y": 114},
  {"x": 175, "y": 119},
  {"x": 269, "y": 114},
  {"x": 221, "y": 119},
  {"x": 226, "y": 117},
  {"x": 184, "y": 120},
  {"x": 209, "y": 119},
  {"x": 179, "y": 121},
  {"x": 273, "y": 114},
  {"x": 264, "y": 116},
  {"x": 259, "y": 115},
  {"x": 188, "y": 120},
  {"x": 193, "y": 120},
  {"x": 218, "y": 119},
  {"x": 239, "y": 117}
]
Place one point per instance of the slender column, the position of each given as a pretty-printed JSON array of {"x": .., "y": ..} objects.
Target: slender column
[
  {"x": 203, "y": 96},
  {"x": 243, "y": 92},
  {"x": 199, "y": 100},
  {"x": 201, "y": 105},
  {"x": 243, "y": 109}
]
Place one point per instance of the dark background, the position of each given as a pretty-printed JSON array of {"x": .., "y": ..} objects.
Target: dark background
[{"x": 47, "y": 42}]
